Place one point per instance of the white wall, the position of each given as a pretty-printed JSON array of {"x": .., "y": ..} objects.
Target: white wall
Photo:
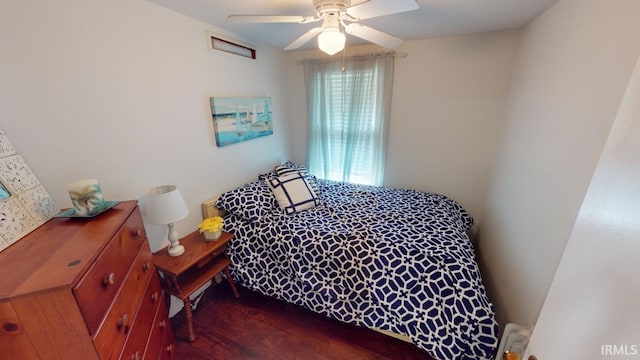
[
  {"x": 447, "y": 109},
  {"x": 598, "y": 273},
  {"x": 572, "y": 69},
  {"x": 119, "y": 90}
]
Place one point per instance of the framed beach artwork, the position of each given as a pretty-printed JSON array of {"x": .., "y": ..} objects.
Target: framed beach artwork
[{"x": 237, "y": 119}]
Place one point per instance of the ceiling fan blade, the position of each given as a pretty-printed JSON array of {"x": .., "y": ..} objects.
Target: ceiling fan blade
[
  {"x": 375, "y": 36},
  {"x": 375, "y": 8},
  {"x": 269, "y": 19},
  {"x": 304, "y": 38}
]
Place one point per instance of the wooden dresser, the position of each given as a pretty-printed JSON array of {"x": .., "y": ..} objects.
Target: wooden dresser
[{"x": 84, "y": 289}]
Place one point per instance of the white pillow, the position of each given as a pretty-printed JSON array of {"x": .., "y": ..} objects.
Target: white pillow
[
  {"x": 293, "y": 192},
  {"x": 285, "y": 169}
]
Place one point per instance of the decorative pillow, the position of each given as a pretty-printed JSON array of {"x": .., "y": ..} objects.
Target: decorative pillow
[
  {"x": 291, "y": 168},
  {"x": 293, "y": 193},
  {"x": 251, "y": 201},
  {"x": 285, "y": 170},
  {"x": 291, "y": 164},
  {"x": 271, "y": 174}
]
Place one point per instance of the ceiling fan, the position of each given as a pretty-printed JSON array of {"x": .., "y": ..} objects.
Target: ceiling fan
[{"x": 339, "y": 17}]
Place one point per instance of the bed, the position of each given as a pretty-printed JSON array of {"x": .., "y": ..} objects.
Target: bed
[{"x": 388, "y": 259}]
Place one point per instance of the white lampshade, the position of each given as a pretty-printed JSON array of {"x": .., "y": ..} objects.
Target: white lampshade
[
  {"x": 165, "y": 205},
  {"x": 331, "y": 41}
]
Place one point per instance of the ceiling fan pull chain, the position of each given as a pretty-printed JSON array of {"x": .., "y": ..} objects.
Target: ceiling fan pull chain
[{"x": 344, "y": 58}]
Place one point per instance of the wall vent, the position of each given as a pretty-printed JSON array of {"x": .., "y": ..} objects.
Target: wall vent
[{"x": 220, "y": 44}]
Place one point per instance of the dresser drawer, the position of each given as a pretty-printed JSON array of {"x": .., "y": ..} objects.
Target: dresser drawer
[
  {"x": 160, "y": 344},
  {"x": 97, "y": 289},
  {"x": 167, "y": 352},
  {"x": 143, "y": 323},
  {"x": 113, "y": 332}
]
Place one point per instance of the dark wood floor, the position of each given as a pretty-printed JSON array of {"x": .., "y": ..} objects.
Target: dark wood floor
[{"x": 262, "y": 328}]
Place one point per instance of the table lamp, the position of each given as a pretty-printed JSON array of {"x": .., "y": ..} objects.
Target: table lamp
[{"x": 166, "y": 206}]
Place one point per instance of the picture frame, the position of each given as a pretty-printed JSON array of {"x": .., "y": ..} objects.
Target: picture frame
[
  {"x": 237, "y": 119},
  {"x": 25, "y": 204}
]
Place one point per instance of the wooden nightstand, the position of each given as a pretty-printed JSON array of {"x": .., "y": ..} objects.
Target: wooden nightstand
[{"x": 182, "y": 275}]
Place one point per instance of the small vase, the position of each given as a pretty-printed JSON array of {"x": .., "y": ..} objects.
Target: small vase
[{"x": 212, "y": 236}]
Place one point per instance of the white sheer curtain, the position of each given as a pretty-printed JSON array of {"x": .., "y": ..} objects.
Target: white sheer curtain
[{"x": 348, "y": 114}]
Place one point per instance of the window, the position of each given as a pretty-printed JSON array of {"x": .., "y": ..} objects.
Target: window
[
  {"x": 348, "y": 118},
  {"x": 346, "y": 133}
]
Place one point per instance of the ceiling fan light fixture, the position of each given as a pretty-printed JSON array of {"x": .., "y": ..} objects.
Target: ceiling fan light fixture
[
  {"x": 340, "y": 17},
  {"x": 331, "y": 41}
]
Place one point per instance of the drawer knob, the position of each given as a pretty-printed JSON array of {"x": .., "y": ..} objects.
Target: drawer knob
[
  {"x": 163, "y": 324},
  {"x": 155, "y": 296},
  {"x": 137, "y": 233},
  {"x": 10, "y": 327},
  {"x": 146, "y": 266},
  {"x": 109, "y": 279},
  {"x": 136, "y": 356},
  {"x": 169, "y": 348},
  {"x": 123, "y": 321}
]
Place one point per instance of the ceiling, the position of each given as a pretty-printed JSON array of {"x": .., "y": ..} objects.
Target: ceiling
[{"x": 435, "y": 18}]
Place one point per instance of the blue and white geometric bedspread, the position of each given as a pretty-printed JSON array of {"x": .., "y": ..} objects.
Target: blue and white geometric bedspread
[{"x": 389, "y": 259}]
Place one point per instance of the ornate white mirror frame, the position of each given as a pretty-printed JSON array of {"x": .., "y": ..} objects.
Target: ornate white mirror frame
[{"x": 25, "y": 203}]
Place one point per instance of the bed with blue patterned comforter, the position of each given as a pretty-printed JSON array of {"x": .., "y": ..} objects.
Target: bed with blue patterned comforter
[{"x": 389, "y": 259}]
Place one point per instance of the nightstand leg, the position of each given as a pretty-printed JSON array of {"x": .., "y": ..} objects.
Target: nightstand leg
[
  {"x": 231, "y": 283},
  {"x": 189, "y": 318}
]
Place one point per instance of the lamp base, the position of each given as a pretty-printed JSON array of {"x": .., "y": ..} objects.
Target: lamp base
[{"x": 176, "y": 250}]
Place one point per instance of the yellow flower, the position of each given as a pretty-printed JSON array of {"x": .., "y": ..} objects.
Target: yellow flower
[{"x": 212, "y": 224}]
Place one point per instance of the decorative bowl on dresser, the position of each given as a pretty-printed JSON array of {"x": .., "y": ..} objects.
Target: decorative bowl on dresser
[{"x": 84, "y": 289}]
